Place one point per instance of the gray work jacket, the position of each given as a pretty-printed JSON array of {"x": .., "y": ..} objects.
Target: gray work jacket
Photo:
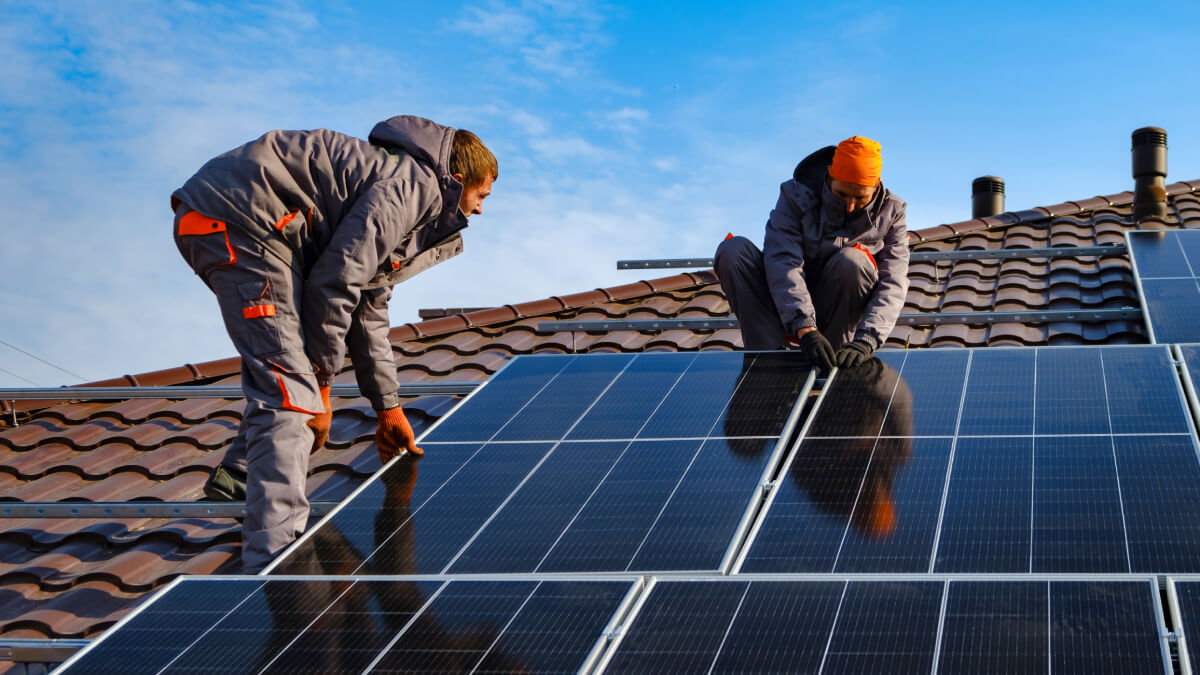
[
  {"x": 808, "y": 226},
  {"x": 353, "y": 218}
]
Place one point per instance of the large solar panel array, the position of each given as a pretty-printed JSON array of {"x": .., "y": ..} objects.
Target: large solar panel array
[
  {"x": 1048, "y": 460},
  {"x": 934, "y": 511},
  {"x": 1167, "y": 267}
]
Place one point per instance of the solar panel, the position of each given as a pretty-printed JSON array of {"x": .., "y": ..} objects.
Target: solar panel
[
  {"x": 1184, "y": 594},
  {"x": 1072, "y": 460},
  {"x": 563, "y": 463},
  {"x": 1167, "y": 265},
  {"x": 975, "y": 626},
  {"x": 254, "y": 625}
]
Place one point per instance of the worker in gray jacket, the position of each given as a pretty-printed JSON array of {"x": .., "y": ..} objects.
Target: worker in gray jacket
[
  {"x": 833, "y": 272},
  {"x": 301, "y": 236}
]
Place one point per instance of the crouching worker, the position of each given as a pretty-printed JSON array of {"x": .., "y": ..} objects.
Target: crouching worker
[
  {"x": 833, "y": 272},
  {"x": 301, "y": 236}
]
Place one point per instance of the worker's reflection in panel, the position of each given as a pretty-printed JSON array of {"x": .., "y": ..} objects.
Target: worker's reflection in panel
[
  {"x": 366, "y": 616},
  {"x": 865, "y": 429}
]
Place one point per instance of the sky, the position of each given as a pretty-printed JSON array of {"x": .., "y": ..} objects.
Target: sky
[{"x": 623, "y": 130}]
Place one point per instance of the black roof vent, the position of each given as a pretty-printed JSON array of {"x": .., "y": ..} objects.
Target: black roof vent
[
  {"x": 987, "y": 196},
  {"x": 1149, "y": 173}
]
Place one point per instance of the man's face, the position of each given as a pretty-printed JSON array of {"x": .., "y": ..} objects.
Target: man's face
[
  {"x": 853, "y": 195},
  {"x": 472, "y": 198}
]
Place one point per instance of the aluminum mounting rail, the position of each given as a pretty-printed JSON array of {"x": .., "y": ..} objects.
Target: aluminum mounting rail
[
  {"x": 915, "y": 256},
  {"x": 96, "y": 393},
  {"x": 1046, "y": 316},
  {"x": 137, "y": 509},
  {"x": 23, "y": 650}
]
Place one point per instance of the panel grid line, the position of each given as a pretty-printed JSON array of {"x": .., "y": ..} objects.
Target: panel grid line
[
  {"x": 837, "y": 615},
  {"x": 613, "y": 467},
  {"x": 1033, "y": 462},
  {"x": 937, "y": 643},
  {"x": 937, "y": 532},
  {"x": 867, "y": 470},
  {"x": 1116, "y": 466},
  {"x": 306, "y": 628},
  {"x": 210, "y": 628},
  {"x": 404, "y": 629},
  {"x": 729, "y": 628},
  {"x": 500, "y": 633}
]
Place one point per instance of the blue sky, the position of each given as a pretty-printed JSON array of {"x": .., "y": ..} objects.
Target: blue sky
[{"x": 623, "y": 130}]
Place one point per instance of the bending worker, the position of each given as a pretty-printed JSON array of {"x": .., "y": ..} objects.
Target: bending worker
[
  {"x": 833, "y": 272},
  {"x": 301, "y": 235}
]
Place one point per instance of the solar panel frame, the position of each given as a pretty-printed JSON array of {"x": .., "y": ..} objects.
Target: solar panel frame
[
  {"x": 754, "y": 497},
  {"x": 1119, "y": 431},
  {"x": 1139, "y": 244}
]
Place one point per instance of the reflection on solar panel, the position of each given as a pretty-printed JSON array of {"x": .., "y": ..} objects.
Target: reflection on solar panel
[
  {"x": 257, "y": 625},
  {"x": 1167, "y": 265},
  {"x": 604, "y": 462},
  {"x": 1003, "y": 460},
  {"x": 899, "y": 626}
]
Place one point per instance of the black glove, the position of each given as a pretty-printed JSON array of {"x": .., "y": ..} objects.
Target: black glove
[
  {"x": 817, "y": 349},
  {"x": 853, "y": 353}
]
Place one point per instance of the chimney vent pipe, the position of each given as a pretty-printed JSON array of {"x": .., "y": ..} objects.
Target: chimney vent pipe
[
  {"x": 1149, "y": 173},
  {"x": 987, "y": 196}
]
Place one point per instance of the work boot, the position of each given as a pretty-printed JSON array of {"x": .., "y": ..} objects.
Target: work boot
[{"x": 225, "y": 485}]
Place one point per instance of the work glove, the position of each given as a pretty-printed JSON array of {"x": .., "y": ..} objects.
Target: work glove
[
  {"x": 853, "y": 353},
  {"x": 395, "y": 434},
  {"x": 320, "y": 423},
  {"x": 817, "y": 349}
]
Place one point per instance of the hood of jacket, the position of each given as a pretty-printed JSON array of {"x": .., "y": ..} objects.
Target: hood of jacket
[{"x": 429, "y": 143}]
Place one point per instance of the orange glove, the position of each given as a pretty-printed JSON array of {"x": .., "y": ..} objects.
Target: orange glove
[
  {"x": 395, "y": 434},
  {"x": 320, "y": 423}
]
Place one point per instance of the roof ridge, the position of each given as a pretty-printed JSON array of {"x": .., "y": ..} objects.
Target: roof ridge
[{"x": 947, "y": 230}]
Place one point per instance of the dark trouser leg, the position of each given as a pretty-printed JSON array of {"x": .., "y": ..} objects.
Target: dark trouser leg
[
  {"x": 739, "y": 266},
  {"x": 842, "y": 294}
]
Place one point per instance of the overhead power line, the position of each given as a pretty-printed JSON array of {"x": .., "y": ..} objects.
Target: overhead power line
[
  {"x": 34, "y": 356},
  {"x": 23, "y": 379}
]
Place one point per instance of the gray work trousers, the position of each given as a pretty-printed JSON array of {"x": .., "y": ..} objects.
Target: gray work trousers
[
  {"x": 259, "y": 295},
  {"x": 839, "y": 296}
]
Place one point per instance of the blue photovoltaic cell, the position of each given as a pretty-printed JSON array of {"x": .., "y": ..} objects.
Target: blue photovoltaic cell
[
  {"x": 986, "y": 526},
  {"x": 634, "y": 396},
  {"x": 1188, "y": 595},
  {"x": 1158, "y": 255},
  {"x": 895, "y": 517},
  {"x": 1167, "y": 265},
  {"x": 885, "y": 627},
  {"x": 999, "y": 398},
  {"x": 1109, "y": 484},
  {"x": 481, "y": 416},
  {"x": 1159, "y": 476},
  {"x": 935, "y": 380},
  {"x": 1143, "y": 392},
  {"x": 996, "y": 628},
  {"x": 1077, "y": 520},
  {"x": 693, "y": 407},
  {"x": 1070, "y": 392},
  {"x": 564, "y": 400},
  {"x": 1104, "y": 628},
  {"x": 335, "y": 626}
]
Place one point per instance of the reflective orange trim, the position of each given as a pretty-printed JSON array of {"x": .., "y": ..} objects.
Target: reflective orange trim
[
  {"x": 287, "y": 401},
  {"x": 258, "y": 311},
  {"x": 283, "y": 222},
  {"x": 196, "y": 223},
  {"x": 869, "y": 256}
]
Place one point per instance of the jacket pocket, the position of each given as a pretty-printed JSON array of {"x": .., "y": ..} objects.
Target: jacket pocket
[
  {"x": 293, "y": 227},
  {"x": 203, "y": 242},
  {"x": 257, "y": 324}
]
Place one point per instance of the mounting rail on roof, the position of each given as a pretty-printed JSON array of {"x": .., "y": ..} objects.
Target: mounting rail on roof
[
  {"x": 1046, "y": 316},
  {"x": 137, "y": 509},
  {"x": 24, "y": 650},
  {"x": 95, "y": 393},
  {"x": 916, "y": 256}
]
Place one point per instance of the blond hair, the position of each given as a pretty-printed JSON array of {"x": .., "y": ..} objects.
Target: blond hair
[{"x": 471, "y": 158}]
